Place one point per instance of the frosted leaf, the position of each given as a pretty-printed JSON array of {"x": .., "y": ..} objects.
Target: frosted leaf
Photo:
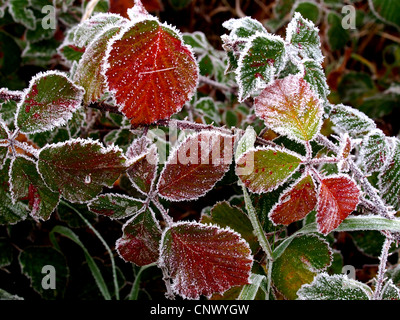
[
  {"x": 3, "y": 142},
  {"x": 375, "y": 151},
  {"x": 338, "y": 196},
  {"x": 208, "y": 109},
  {"x": 195, "y": 166},
  {"x": 225, "y": 215},
  {"x": 141, "y": 239},
  {"x": 150, "y": 71},
  {"x": 351, "y": 120},
  {"x": 115, "y": 206},
  {"x": 65, "y": 166},
  {"x": 390, "y": 291},
  {"x": 246, "y": 142},
  {"x": 304, "y": 257},
  {"x": 262, "y": 57},
  {"x": 204, "y": 259},
  {"x": 296, "y": 202},
  {"x": 265, "y": 169},
  {"x": 143, "y": 171},
  {"x": 198, "y": 41},
  {"x": 389, "y": 177},
  {"x": 315, "y": 76},
  {"x": 50, "y": 101},
  {"x": 289, "y": 107},
  {"x": 138, "y": 11},
  {"x": 81, "y": 36},
  {"x": 243, "y": 27},
  {"x": 138, "y": 147},
  {"x": 334, "y": 287},
  {"x": 89, "y": 73},
  {"x": 20, "y": 13},
  {"x": 302, "y": 34},
  {"x": 27, "y": 184}
]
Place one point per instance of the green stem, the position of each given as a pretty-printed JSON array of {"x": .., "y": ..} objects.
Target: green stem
[
  {"x": 114, "y": 272},
  {"x": 136, "y": 284}
]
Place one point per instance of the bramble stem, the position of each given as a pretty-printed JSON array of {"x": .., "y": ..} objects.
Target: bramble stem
[
  {"x": 382, "y": 267},
  {"x": 7, "y": 95}
]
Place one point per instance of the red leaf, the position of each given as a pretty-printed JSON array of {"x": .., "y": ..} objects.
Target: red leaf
[
  {"x": 141, "y": 239},
  {"x": 196, "y": 166},
  {"x": 150, "y": 71},
  {"x": 204, "y": 259},
  {"x": 296, "y": 203},
  {"x": 338, "y": 197}
]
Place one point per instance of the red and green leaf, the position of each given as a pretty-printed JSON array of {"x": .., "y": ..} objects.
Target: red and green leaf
[
  {"x": 295, "y": 203},
  {"x": 265, "y": 169},
  {"x": 204, "y": 259},
  {"x": 196, "y": 166},
  {"x": 143, "y": 171},
  {"x": 89, "y": 71},
  {"x": 115, "y": 206},
  {"x": 49, "y": 102},
  {"x": 141, "y": 239},
  {"x": 78, "y": 168},
  {"x": 338, "y": 196},
  {"x": 301, "y": 261},
  {"x": 289, "y": 107},
  {"x": 150, "y": 71},
  {"x": 26, "y": 184}
]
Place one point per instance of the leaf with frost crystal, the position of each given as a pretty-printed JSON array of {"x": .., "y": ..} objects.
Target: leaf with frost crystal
[
  {"x": 315, "y": 76},
  {"x": 265, "y": 169},
  {"x": 338, "y": 196},
  {"x": 243, "y": 27},
  {"x": 151, "y": 72},
  {"x": 80, "y": 36},
  {"x": 335, "y": 287},
  {"x": 20, "y": 13},
  {"x": 295, "y": 203},
  {"x": 143, "y": 171},
  {"x": 375, "y": 150},
  {"x": 304, "y": 36},
  {"x": 49, "y": 102},
  {"x": 389, "y": 178},
  {"x": 390, "y": 291},
  {"x": 300, "y": 262},
  {"x": 203, "y": 259},
  {"x": 10, "y": 212},
  {"x": 263, "y": 56},
  {"x": 26, "y": 183},
  {"x": 246, "y": 142},
  {"x": 351, "y": 120},
  {"x": 141, "y": 239},
  {"x": 115, "y": 206},
  {"x": 289, "y": 107},
  {"x": 89, "y": 71},
  {"x": 195, "y": 166},
  {"x": 79, "y": 168},
  {"x": 225, "y": 215}
]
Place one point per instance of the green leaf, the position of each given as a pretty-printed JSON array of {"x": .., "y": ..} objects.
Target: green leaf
[
  {"x": 302, "y": 260},
  {"x": 49, "y": 102},
  {"x": 315, "y": 76},
  {"x": 207, "y": 107},
  {"x": 375, "y": 151},
  {"x": 265, "y": 169},
  {"x": 10, "y": 212},
  {"x": 6, "y": 252},
  {"x": 26, "y": 183},
  {"x": 243, "y": 27},
  {"x": 351, "y": 120},
  {"x": 89, "y": 71},
  {"x": 10, "y": 59},
  {"x": 261, "y": 59},
  {"x": 308, "y": 10},
  {"x": 33, "y": 259},
  {"x": 4, "y": 295},
  {"x": 335, "y": 287},
  {"x": 303, "y": 35},
  {"x": 141, "y": 239},
  {"x": 79, "y": 168},
  {"x": 389, "y": 178},
  {"x": 386, "y": 10},
  {"x": 225, "y": 215},
  {"x": 20, "y": 13},
  {"x": 390, "y": 291},
  {"x": 115, "y": 206},
  {"x": 289, "y": 107},
  {"x": 249, "y": 291},
  {"x": 337, "y": 35}
]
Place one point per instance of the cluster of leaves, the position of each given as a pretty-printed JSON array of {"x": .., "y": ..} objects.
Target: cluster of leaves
[{"x": 143, "y": 78}]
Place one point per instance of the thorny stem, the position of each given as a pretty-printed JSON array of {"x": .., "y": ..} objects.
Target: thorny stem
[
  {"x": 187, "y": 125},
  {"x": 217, "y": 85},
  {"x": 167, "y": 279},
  {"x": 382, "y": 267},
  {"x": 6, "y": 94}
]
